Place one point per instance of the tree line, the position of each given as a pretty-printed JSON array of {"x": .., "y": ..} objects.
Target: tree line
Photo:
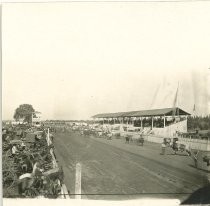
[
  {"x": 198, "y": 123},
  {"x": 194, "y": 122}
]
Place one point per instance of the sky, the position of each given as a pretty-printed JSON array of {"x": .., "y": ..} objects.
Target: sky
[{"x": 74, "y": 60}]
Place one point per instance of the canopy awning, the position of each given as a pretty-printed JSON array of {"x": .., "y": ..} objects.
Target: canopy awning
[{"x": 144, "y": 113}]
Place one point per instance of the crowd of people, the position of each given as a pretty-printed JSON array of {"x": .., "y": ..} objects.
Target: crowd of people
[{"x": 28, "y": 169}]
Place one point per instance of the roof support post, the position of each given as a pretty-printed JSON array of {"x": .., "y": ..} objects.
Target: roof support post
[
  {"x": 164, "y": 121},
  {"x": 152, "y": 122},
  {"x": 141, "y": 123},
  {"x": 103, "y": 121}
]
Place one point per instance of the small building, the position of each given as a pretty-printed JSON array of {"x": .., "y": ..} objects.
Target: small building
[
  {"x": 18, "y": 121},
  {"x": 36, "y": 118}
]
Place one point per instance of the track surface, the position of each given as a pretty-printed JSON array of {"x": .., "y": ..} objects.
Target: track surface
[{"x": 112, "y": 169}]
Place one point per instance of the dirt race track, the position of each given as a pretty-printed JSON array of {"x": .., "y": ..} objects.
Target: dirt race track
[{"x": 114, "y": 170}]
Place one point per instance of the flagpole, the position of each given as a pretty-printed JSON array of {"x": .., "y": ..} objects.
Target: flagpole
[
  {"x": 194, "y": 110},
  {"x": 178, "y": 100},
  {"x": 175, "y": 103}
]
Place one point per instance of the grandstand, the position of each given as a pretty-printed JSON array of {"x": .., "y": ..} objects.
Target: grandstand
[{"x": 165, "y": 122}]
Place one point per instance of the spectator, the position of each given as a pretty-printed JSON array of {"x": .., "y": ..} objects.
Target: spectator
[
  {"x": 163, "y": 148},
  {"x": 14, "y": 150},
  {"x": 195, "y": 157}
]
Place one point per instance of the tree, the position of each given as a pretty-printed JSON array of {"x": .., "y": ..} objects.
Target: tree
[{"x": 24, "y": 111}]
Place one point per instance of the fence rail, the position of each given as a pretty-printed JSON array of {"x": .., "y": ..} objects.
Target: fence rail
[
  {"x": 64, "y": 192},
  {"x": 198, "y": 144}
]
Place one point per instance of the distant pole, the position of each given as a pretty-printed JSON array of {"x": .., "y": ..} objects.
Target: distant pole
[
  {"x": 48, "y": 136},
  {"x": 178, "y": 98},
  {"x": 190, "y": 140}
]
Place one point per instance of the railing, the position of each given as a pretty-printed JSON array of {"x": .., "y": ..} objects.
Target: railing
[{"x": 64, "y": 192}]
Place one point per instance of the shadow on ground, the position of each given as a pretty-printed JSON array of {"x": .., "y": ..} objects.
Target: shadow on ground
[
  {"x": 193, "y": 166},
  {"x": 200, "y": 196},
  {"x": 177, "y": 154}
]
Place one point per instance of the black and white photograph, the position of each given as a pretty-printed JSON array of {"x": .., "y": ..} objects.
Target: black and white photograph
[{"x": 106, "y": 100}]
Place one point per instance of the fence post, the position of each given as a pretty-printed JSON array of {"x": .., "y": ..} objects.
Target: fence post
[{"x": 78, "y": 181}]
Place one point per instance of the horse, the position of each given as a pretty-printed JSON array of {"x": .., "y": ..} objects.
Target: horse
[
  {"x": 206, "y": 159},
  {"x": 86, "y": 132},
  {"x": 100, "y": 134},
  {"x": 141, "y": 141},
  {"x": 128, "y": 139},
  {"x": 109, "y": 136},
  {"x": 180, "y": 147}
]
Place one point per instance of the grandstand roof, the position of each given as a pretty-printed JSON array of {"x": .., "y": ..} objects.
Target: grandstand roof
[{"x": 144, "y": 113}]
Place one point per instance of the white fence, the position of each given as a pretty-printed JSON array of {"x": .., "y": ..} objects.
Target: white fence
[
  {"x": 197, "y": 144},
  {"x": 170, "y": 130},
  {"x": 202, "y": 145},
  {"x": 153, "y": 138}
]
